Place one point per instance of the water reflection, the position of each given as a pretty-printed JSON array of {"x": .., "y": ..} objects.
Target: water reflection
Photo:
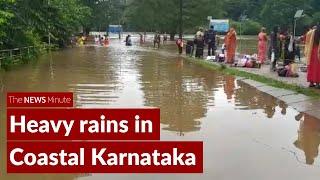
[
  {"x": 192, "y": 89},
  {"x": 180, "y": 95},
  {"x": 309, "y": 138},
  {"x": 247, "y": 97},
  {"x": 229, "y": 86},
  {"x": 195, "y": 103}
]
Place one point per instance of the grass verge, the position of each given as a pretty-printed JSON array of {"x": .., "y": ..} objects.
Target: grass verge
[{"x": 268, "y": 81}]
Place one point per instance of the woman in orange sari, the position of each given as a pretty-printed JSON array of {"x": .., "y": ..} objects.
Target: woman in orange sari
[
  {"x": 231, "y": 44},
  {"x": 312, "y": 53},
  {"x": 262, "y": 45}
]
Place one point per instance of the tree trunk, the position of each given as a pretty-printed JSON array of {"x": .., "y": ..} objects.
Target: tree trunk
[
  {"x": 86, "y": 30},
  {"x": 172, "y": 36}
]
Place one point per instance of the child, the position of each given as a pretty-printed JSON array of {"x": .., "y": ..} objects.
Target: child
[
  {"x": 221, "y": 56},
  {"x": 106, "y": 42},
  {"x": 96, "y": 40},
  {"x": 179, "y": 44},
  {"x": 190, "y": 48}
]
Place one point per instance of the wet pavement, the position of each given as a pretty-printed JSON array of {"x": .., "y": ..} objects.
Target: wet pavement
[{"x": 247, "y": 133}]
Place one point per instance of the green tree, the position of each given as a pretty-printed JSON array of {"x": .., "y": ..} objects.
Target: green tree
[
  {"x": 159, "y": 15},
  {"x": 281, "y": 12},
  {"x": 5, "y": 15},
  {"x": 104, "y": 12},
  {"x": 32, "y": 21},
  {"x": 153, "y": 15},
  {"x": 196, "y": 12}
]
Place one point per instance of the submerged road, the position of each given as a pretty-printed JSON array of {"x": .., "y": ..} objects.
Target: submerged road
[{"x": 247, "y": 134}]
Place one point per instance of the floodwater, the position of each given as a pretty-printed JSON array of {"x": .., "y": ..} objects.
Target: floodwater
[{"x": 246, "y": 133}]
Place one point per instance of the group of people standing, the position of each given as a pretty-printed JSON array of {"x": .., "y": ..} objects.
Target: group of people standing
[
  {"x": 101, "y": 40},
  {"x": 157, "y": 39},
  {"x": 198, "y": 43},
  {"x": 282, "y": 46},
  {"x": 209, "y": 38}
]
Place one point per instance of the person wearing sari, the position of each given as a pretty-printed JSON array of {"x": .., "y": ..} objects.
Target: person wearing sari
[
  {"x": 262, "y": 45},
  {"x": 312, "y": 53},
  {"x": 231, "y": 45}
]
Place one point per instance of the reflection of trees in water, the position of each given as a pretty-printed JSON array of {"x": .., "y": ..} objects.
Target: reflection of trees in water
[
  {"x": 55, "y": 71},
  {"x": 251, "y": 98},
  {"x": 309, "y": 137},
  {"x": 180, "y": 92},
  {"x": 79, "y": 65}
]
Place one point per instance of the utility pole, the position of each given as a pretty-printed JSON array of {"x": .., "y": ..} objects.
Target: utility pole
[{"x": 180, "y": 20}]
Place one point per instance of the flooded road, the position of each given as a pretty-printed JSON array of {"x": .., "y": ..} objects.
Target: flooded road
[{"x": 246, "y": 133}]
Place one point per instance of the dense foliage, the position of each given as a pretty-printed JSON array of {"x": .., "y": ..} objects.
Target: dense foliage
[
  {"x": 30, "y": 22},
  {"x": 163, "y": 16},
  {"x": 150, "y": 15},
  {"x": 104, "y": 13}
]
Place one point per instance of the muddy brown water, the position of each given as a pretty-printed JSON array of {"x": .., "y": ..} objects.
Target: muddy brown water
[{"x": 246, "y": 133}]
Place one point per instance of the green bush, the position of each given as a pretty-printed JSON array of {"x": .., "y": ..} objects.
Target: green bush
[
  {"x": 316, "y": 17},
  {"x": 6, "y": 63},
  {"x": 248, "y": 27},
  {"x": 26, "y": 57},
  {"x": 251, "y": 27}
]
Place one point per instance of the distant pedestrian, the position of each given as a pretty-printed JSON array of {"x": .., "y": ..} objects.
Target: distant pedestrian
[
  {"x": 141, "y": 38},
  {"x": 106, "y": 41},
  {"x": 84, "y": 38},
  {"x": 199, "y": 41},
  {"x": 165, "y": 38},
  {"x": 96, "y": 40},
  {"x": 179, "y": 44},
  {"x": 128, "y": 40},
  {"x": 262, "y": 45},
  {"x": 200, "y": 33},
  {"x": 156, "y": 40},
  {"x": 190, "y": 48},
  {"x": 210, "y": 39},
  {"x": 231, "y": 45},
  {"x": 81, "y": 41},
  {"x": 101, "y": 40}
]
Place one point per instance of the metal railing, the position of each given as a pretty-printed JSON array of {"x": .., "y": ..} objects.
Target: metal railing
[{"x": 16, "y": 54}]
